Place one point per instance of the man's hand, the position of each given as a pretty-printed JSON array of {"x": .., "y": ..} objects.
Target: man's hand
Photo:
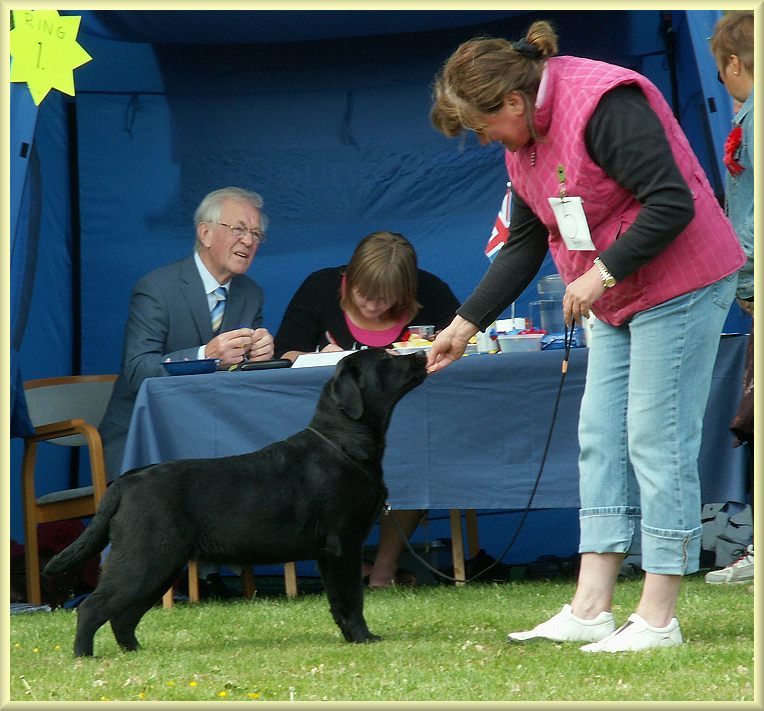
[
  {"x": 230, "y": 347},
  {"x": 262, "y": 345}
]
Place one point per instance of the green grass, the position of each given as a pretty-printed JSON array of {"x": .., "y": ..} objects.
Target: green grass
[{"x": 440, "y": 644}]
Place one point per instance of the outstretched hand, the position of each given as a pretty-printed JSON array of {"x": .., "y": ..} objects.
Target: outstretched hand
[{"x": 450, "y": 344}]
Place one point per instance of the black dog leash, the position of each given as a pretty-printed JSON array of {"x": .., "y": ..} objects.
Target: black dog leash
[{"x": 568, "y": 340}]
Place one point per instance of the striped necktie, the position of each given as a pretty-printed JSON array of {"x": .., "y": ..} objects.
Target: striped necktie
[{"x": 217, "y": 310}]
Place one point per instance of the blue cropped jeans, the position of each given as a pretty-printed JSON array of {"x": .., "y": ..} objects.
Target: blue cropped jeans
[{"x": 640, "y": 429}]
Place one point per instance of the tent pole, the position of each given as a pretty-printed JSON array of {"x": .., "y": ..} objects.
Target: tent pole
[
  {"x": 669, "y": 37},
  {"x": 74, "y": 227}
]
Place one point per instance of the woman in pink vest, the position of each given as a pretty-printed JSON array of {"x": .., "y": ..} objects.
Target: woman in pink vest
[{"x": 603, "y": 176}]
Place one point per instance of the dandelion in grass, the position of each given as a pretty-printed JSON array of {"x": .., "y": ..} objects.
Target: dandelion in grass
[
  {"x": 253, "y": 695},
  {"x": 222, "y": 694},
  {"x": 193, "y": 683}
]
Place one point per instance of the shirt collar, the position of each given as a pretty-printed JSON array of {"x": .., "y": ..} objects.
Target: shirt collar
[
  {"x": 541, "y": 93},
  {"x": 743, "y": 111},
  {"x": 209, "y": 281},
  {"x": 544, "y": 98}
]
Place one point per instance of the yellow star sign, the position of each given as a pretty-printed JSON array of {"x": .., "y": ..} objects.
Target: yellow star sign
[{"x": 45, "y": 51}]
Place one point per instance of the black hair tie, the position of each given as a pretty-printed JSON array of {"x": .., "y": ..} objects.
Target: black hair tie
[{"x": 528, "y": 50}]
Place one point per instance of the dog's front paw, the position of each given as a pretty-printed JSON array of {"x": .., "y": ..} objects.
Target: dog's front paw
[{"x": 365, "y": 638}]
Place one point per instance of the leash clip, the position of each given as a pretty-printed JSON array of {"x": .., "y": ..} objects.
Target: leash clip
[{"x": 387, "y": 508}]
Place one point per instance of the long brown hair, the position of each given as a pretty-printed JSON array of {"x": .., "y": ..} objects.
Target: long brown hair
[
  {"x": 483, "y": 71},
  {"x": 383, "y": 264}
]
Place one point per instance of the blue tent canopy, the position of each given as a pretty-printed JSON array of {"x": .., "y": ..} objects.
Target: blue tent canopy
[{"x": 323, "y": 112}]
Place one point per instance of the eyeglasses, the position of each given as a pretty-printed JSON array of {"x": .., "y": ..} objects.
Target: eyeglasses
[
  {"x": 719, "y": 77},
  {"x": 238, "y": 231}
]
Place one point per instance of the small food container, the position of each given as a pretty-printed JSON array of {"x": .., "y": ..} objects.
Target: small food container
[
  {"x": 427, "y": 331},
  {"x": 520, "y": 343}
]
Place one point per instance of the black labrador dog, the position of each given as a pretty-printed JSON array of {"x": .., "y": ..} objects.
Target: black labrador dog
[{"x": 312, "y": 496}]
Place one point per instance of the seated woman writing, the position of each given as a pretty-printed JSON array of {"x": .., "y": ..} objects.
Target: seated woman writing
[{"x": 370, "y": 302}]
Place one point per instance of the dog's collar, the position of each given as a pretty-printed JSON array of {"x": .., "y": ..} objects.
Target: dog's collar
[
  {"x": 335, "y": 446},
  {"x": 339, "y": 449}
]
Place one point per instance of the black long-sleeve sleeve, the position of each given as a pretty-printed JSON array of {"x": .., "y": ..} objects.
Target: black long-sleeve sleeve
[
  {"x": 514, "y": 267},
  {"x": 627, "y": 140}
]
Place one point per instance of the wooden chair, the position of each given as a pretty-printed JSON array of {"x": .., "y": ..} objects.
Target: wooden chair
[
  {"x": 65, "y": 411},
  {"x": 457, "y": 540}
]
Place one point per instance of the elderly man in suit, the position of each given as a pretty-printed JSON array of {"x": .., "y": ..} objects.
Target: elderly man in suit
[{"x": 203, "y": 306}]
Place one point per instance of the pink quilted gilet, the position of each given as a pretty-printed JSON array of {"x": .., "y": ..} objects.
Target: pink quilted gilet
[{"x": 703, "y": 253}]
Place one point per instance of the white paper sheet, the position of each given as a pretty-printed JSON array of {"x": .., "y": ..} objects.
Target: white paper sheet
[{"x": 310, "y": 360}]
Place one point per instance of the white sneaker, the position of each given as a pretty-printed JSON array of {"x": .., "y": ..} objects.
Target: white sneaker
[
  {"x": 739, "y": 571},
  {"x": 566, "y": 627},
  {"x": 637, "y": 635}
]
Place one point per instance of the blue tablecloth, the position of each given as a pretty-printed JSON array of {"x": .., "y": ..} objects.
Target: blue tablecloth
[{"x": 471, "y": 436}]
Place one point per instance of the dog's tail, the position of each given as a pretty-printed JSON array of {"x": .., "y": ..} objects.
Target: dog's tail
[{"x": 92, "y": 540}]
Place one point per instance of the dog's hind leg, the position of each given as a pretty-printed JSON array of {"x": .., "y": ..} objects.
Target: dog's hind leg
[
  {"x": 109, "y": 598},
  {"x": 342, "y": 582},
  {"x": 131, "y": 581},
  {"x": 124, "y": 621},
  {"x": 92, "y": 613}
]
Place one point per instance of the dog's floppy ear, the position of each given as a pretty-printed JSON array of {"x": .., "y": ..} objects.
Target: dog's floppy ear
[{"x": 346, "y": 392}]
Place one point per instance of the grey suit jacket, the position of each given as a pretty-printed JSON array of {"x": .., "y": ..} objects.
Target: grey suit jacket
[{"x": 169, "y": 318}]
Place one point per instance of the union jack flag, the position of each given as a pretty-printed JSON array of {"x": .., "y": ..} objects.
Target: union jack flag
[{"x": 500, "y": 231}]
